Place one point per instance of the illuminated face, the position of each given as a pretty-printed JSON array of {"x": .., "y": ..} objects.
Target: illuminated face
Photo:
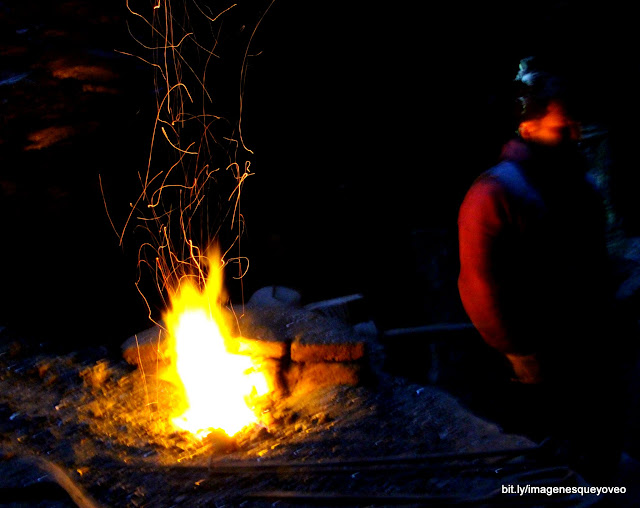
[{"x": 551, "y": 129}]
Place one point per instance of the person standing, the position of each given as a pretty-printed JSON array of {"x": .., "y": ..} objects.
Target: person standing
[{"x": 536, "y": 281}]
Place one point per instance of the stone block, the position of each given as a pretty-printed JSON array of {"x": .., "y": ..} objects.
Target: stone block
[
  {"x": 257, "y": 347},
  {"x": 350, "y": 309},
  {"x": 297, "y": 349},
  {"x": 327, "y": 347},
  {"x": 305, "y": 377},
  {"x": 274, "y": 296},
  {"x": 269, "y": 323}
]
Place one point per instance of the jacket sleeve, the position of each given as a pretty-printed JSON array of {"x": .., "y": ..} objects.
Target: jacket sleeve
[{"x": 483, "y": 220}]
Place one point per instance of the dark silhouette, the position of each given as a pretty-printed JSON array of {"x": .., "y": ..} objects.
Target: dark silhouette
[{"x": 537, "y": 282}]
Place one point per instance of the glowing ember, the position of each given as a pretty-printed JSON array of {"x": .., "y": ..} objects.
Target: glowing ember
[{"x": 218, "y": 386}]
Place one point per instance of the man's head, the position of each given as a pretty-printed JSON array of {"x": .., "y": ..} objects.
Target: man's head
[{"x": 546, "y": 103}]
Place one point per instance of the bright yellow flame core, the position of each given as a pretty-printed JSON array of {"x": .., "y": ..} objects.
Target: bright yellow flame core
[{"x": 218, "y": 386}]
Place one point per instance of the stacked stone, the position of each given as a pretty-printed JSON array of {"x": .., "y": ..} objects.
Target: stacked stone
[{"x": 300, "y": 349}]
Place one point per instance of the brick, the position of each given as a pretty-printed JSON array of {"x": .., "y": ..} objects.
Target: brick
[
  {"x": 329, "y": 346},
  {"x": 306, "y": 377},
  {"x": 256, "y": 347},
  {"x": 270, "y": 323},
  {"x": 315, "y": 353}
]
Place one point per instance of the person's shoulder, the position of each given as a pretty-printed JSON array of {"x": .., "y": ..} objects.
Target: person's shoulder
[
  {"x": 508, "y": 171},
  {"x": 508, "y": 174},
  {"x": 486, "y": 196},
  {"x": 497, "y": 192},
  {"x": 497, "y": 180}
]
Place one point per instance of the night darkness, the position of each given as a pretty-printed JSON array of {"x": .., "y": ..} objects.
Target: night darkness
[{"x": 367, "y": 123}]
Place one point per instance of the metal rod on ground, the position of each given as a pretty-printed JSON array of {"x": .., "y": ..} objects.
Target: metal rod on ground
[
  {"x": 373, "y": 469},
  {"x": 378, "y": 461},
  {"x": 495, "y": 497},
  {"x": 429, "y": 329},
  {"x": 547, "y": 477}
]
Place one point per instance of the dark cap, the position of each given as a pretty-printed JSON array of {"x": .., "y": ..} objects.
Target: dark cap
[{"x": 540, "y": 82}]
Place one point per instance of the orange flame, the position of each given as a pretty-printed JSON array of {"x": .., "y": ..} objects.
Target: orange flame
[{"x": 217, "y": 386}]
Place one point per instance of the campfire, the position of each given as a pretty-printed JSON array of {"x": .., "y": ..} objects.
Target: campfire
[
  {"x": 208, "y": 371},
  {"x": 218, "y": 389}
]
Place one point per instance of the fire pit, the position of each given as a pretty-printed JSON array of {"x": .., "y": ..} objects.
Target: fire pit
[
  {"x": 227, "y": 369},
  {"x": 337, "y": 429},
  {"x": 296, "y": 349}
]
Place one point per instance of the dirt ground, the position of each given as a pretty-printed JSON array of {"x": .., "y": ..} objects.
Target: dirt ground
[{"x": 105, "y": 429}]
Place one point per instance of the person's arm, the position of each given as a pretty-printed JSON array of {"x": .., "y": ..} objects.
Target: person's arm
[{"x": 482, "y": 222}]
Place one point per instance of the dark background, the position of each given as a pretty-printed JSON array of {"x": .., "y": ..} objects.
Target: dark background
[{"x": 367, "y": 124}]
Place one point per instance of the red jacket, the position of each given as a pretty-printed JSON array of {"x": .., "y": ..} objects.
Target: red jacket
[{"x": 532, "y": 254}]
